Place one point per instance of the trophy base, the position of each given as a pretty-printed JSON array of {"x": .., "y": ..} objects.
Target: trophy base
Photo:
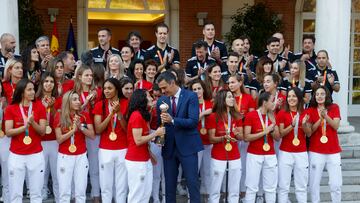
[{"x": 159, "y": 140}]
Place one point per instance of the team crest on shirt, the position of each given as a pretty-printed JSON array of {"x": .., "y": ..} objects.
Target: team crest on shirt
[
  {"x": 142, "y": 178},
  {"x": 62, "y": 169}
]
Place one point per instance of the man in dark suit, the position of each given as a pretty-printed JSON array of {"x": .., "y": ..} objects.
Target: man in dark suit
[{"x": 182, "y": 140}]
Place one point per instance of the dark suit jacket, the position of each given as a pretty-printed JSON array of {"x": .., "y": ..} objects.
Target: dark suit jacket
[{"x": 183, "y": 134}]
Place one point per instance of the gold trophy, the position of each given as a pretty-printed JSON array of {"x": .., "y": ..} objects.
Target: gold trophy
[{"x": 160, "y": 140}]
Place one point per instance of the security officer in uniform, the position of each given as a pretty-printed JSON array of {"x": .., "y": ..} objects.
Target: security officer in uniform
[{"x": 104, "y": 50}]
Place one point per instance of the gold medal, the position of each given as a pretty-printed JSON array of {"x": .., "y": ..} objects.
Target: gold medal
[
  {"x": 48, "y": 130},
  {"x": 112, "y": 136},
  {"x": 266, "y": 147},
  {"x": 323, "y": 139},
  {"x": 228, "y": 147},
  {"x": 203, "y": 131},
  {"x": 72, "y": 148},
  {"x": 27, "y": 140},
  {"x": 2, "y": 134},
  {"x": 296, "y": 141}
]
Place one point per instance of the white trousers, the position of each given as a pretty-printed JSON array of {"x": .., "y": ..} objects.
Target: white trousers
[
  {"x": 71, "y": 167},
  {"x": 140, "y": 177},
  {"x": 4, "y": 156},
  {"x": 113, "y": 171},
  {"x": 204, "y": 159},
  {"x": 243, "y": 146},
  {"x": 158, "y": 173},
  {"x": 218, "y": 173},
  {"x": 255, "y": 165},
  {"x": 50, "y": 150},
  {"x": 332, "y": 162},
  {"x": 92, "y": 147},
  {"x": 33, "y": 165},
  {"x": 300, "y": 164}
]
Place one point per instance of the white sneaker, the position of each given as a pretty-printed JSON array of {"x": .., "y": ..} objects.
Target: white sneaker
[
  {"x": 180, "y": 190},
  {"x": 259, "y": 199}
]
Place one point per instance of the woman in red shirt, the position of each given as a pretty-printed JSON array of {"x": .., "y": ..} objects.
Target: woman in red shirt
[
  {"x": 56, "y": 68},
  {"x": 13, "y": 73},
  {"x": 71, "y": 128},
  {"x": 293, "y": 155},
  {"x": 136, "y": 73},
  {"x": 213, "y": 78},
  {"x": 46, "y": 95},
  {"x": 127, "y": 87},
  {"x": 244, "y": 104},
  {"x": 260, "y": 131},
  {"x": 25, "y": 123},
  {"x": 137, "y": 159},
  {"x": 109, "y": 123},
  {"x": 225, "y": 129},
  {"x": 205, "y": 109},
  {"x": 324, "y": 149},
  {"x": 89, "y": 95}
]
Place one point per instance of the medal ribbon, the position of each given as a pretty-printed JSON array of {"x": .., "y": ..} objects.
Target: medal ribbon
[
  {"x": 113, "y": 122},
  {"x": 296, "y": 128},
  {"x": 324, "y": 78},
  {"x": 72, "y": 138},
  {"x": 228, "y": 124},
  {"x": 160, "y": 56},
  {"x": 264, "y": 125},
  {"x": 24, "y": 117},
  {"x": 212, "y": 48},
  {"x": 202, "y": 76},
  {"x": 323, "y": 124},
  {"x": 239, "y": 102},
  {"x": 202, "y": 109}
]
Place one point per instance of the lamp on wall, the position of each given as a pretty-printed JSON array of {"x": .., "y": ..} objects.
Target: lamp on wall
[
  {"x": 201, "y": 16},
  {"x": 53, "y": 12}
]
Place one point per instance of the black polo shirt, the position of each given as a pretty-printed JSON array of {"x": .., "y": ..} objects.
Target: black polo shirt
[
  {"x": 218, "y": 44},
  {"x": 310, "y": 65},
  {"x": 98, "y": 53},
  {"x": 287, "y": 85},
  {"x": 3, "y": 61},
  {"x": 152, "y": 53},
  {"x": 320, "y": 73},
  {"x": 225, "y": 74},
  {"x": 193, "y": 64},
  {"x": 140, "y": 54}
]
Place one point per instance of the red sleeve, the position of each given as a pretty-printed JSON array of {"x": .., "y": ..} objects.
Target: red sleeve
[
  {"x": 311, "y": 115},
  {"x": 280, "y": 117},
  {"x": 134, "y": 121},
  {"x": 124, "y": 106},
  {"x": 239, "y": 123},
  {"x": 211, "y": 121},
  {"x": 252, "y": 103},
  {"x": 335, "y": 111},
  {"x": 40, "y": 110},
  {"x": 98, "y": 108},
  {"x": 248, "y": 119},
  {"x": 86, "y": 118},
  {"x": 57, "y": 120},
  {"x": 9, "y": 110},
  {"x": 58, "y": 102},
  {"x": 99, "y": 94}
]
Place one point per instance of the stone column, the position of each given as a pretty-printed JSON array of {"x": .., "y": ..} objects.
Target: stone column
[
  {"x": 9, "y": 19},
  {"x": 332, "y": 32}
]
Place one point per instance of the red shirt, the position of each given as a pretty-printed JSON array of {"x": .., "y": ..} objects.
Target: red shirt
[
  {"x": 144, "y": 84},
  {"x": 284, "y": 117},
  {"x": 218, "y": 151},
  {"x": 102, "y": 108},
  {"x": 79, "y": 137},
  {"x": 51, "y": 136},
  {"x": 17, "y": 145},
  {"x": 8, "y": 89},
  {"x": 247, "y": 102},
  {"x": 256, "y": 146},
  {"x": 134, "y": 152},
  {"x": 332, "y": 146},
  {"x": 280, "y": 97},
  {"x": 205, "y": 137},
  {"x": 90, "y": 106},
  {"x": 67, "y": 85}
]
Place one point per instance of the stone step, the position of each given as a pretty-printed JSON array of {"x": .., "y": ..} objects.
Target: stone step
[
  {"x": 350, "y": 152},
  {"x": 350, "y": 164},
  {"x": 349, "y": 178},
  {"x": 348, "y": 193}
]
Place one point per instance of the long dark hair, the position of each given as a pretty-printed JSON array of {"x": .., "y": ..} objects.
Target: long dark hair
[
  {"x": 124, "y": 81},
  {"x": 40, "y": 93},
  {"x": 138, "y": 102},
  {"x": 130, "y": 72},
  {"x": 19, "y": 90},
  {"x": 207, "y": 94},
  {"x": 299, "y": 95},
  {"x": 328, "y": 99},
  {"x": 26, "y": 59},
  {"x": 220, "y": 105},
  {"x": 117, "y": 86}
]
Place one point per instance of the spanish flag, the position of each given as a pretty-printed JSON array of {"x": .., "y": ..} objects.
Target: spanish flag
[{"x": 54, "y": 46}]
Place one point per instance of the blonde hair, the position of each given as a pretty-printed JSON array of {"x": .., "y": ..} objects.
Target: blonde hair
[
  {"x": 121, "y": 67},
  {"x": 78, "y": 83},
  {"x": 8, "y": 66},
  {"x": 302, "y": 72},
  {"x": 65, "y": 119}
]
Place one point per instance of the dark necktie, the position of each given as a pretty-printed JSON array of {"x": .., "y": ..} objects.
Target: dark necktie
[{"x": 173, "y": 106}]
